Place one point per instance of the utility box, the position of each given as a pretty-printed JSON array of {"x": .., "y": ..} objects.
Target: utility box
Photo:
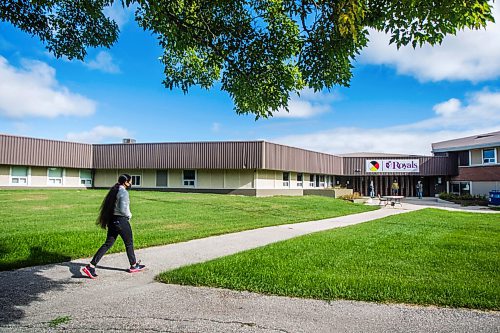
[{"x": 494, "y": 198}]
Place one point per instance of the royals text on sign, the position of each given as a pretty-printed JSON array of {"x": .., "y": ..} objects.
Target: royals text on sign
[{"x": 392, "y": 166}]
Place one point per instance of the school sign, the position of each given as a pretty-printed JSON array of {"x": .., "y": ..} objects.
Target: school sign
[{"x": 375, "y": 166}]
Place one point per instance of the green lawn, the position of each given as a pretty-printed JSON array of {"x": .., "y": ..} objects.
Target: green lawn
[
  {"x": 423, "y": 257},
  {"x": 47, "y": 226}
]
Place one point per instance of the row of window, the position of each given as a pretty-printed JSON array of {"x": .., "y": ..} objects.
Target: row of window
[
  {"x": 314, "y": 180},
  {"x": 20, "y": 175},
  {"x": 188, "y": 178}
]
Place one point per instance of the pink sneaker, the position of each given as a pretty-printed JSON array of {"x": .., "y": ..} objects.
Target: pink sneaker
[
  {"x": 89, "y": 271},
  {"x": 137, "y": 267}
]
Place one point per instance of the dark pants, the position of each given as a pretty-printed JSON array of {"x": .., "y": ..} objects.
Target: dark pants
[{"x": 118, "y": 226}]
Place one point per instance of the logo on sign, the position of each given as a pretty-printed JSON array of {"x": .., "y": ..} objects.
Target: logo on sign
[{"x": 374, "y": 166}]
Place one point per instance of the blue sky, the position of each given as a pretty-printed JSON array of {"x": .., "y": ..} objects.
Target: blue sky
[{"x": 400, "y": 101}]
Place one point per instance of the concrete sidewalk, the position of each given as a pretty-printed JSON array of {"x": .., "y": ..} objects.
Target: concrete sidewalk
[
  {"x": 118, "y": 301},
  {"x": 433, "y": 202}
]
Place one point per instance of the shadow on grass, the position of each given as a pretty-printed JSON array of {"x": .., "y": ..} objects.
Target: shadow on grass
[{"x": 23, "y": 286}]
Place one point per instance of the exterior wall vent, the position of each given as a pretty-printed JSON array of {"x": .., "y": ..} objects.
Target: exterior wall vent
[{"x": 129, "y": 141}]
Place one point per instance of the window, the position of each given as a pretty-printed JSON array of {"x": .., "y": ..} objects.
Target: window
[
  {"x": 136, "y": 180},
  {"x": 300, "y": 179},
  {"x": 460, "y": 188},
  {"x": 286, "y": 179},
  {"x": 311, "y": 180},
  {"x": 489, "y": 156},
  {"x": 86, "y": 177},
  {"x": 19, "y": 175},
  {"x": 161, "y": 178},
  {"x": 463, "y": 158},
  {"x": 322, "y": 181},
  {"x": 55, "y": 176},
  {"x": 464, "y": 188},
  {"x": 189, "y": 177}
]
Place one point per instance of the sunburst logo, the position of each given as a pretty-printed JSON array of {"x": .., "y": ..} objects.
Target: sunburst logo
[{"x": 374, "y": 166}]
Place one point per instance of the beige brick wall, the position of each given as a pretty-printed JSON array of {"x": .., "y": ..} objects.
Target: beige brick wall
[
  {"x": 204, "y": 179},
  {"x": 217, "y": 178},
  {"x": 105, "y": 178},
  {"x": 265, "y": 179},
  {"x": 39, "y": 176},
  {"x": 476, "y": 157},
  {"x": 272, "y": 192},
  {"x": 149, "y": 178},
  {"x": 4, "y": 175},
  {"x": 72, "y": 178},
  {"x": 246, "y": 179},
  {"x": 484, "y": 188},
  {"x": 175, "y": 178},
  {"x": 232, "y": 179}
]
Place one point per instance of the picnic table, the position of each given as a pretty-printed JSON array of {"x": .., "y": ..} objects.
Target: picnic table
[{"x": 391, "y": 200}]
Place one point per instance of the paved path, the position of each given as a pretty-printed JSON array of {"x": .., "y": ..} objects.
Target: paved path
[
  {"x": 446, "y": 205},
  {"x": 117, "y": 301}
]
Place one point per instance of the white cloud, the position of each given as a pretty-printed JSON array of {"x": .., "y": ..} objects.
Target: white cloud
[
  {"x": 33, "y": 91},
  {"x": 99, "y": 134},
  {"x": 453, "y": 119},
  {"x": 103, "y": 62},
  {"x": 119, "y": 14},
  {"x": 383, "y": 140},
  {"x": 482, "y": 109},
  {"x": 448, "y": 108},
  {"x": 308, "y": 104},
  {"x": 471, "y": 55}
]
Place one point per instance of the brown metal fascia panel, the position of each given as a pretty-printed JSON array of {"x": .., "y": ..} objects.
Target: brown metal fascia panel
[
  {"x": 285, "y": 158},
  {"x": 191, "y": 155},
  {"x": 438, "y": 166},
  {"x": 462, "y": 157},
  {"x": 15, "y": 150},
  {"x": 429, "y": 166}
]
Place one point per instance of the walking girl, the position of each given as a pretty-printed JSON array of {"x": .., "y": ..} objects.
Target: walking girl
[{"x": 115, "y": 216}]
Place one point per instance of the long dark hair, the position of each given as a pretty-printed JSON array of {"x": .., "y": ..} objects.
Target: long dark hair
[{"x": 108, "y": 204}]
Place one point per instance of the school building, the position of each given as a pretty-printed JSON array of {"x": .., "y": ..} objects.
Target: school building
[{"x": 257, "y": 168}]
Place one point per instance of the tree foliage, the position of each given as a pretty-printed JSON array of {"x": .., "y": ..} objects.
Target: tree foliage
[{"x": 260, "y": 51}]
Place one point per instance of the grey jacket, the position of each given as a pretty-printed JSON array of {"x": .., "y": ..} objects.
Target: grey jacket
[{"x": 122, "y": 205}]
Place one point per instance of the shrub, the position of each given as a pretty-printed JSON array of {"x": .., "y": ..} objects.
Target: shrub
[
  {"x": 355, "y": 195},
  {"x": 447, "y": 196},
  {"x": 465, "y": 199}
]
